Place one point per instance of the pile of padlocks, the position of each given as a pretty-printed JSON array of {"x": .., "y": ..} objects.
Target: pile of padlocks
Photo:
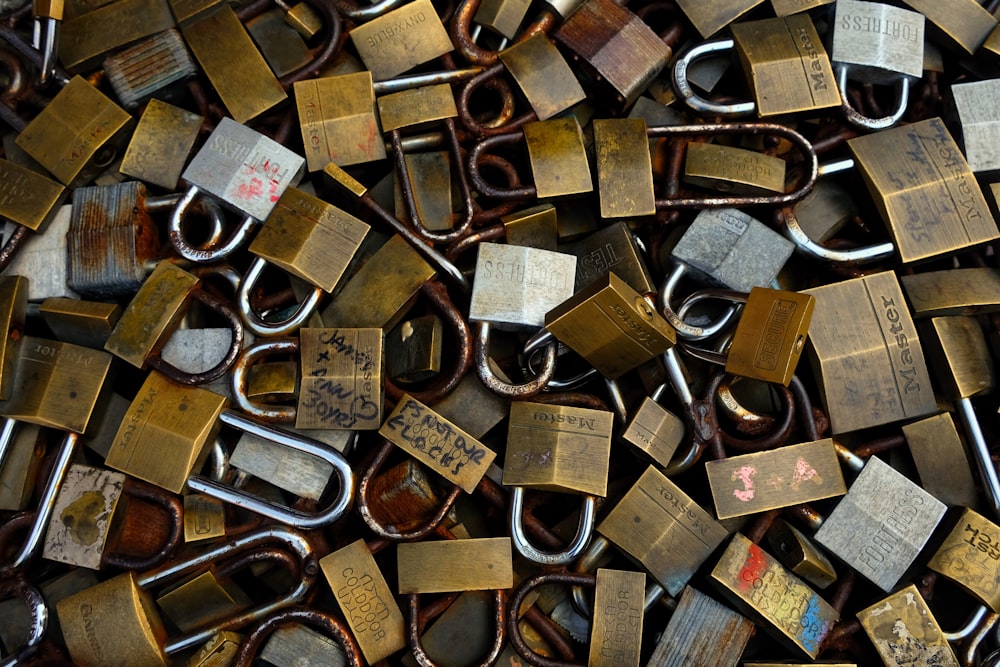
[{"x": 430, "y": 332}]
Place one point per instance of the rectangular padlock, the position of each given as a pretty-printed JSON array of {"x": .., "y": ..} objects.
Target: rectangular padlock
[
  {"x": 800, "y": 555},
  {"x": 161, "y": 144},
  {"x": 365, "y": 600},
  {"x": 611, "y": 326},
  {"x": 504, "y": 17},
  {"x": 558, "y": 448},
  {"x": 656, "y": 523},
  {"x": 770, "y": 335},
  {"x": 970, "y": 556},
  {"x": 82, "y": 516},
  {"x": 733, "y": 170},
  {"x": 201, "y": 601},
  {"x": 338, "y": 120},
  {"x": 204, "y": 517},
  {"x": 953, "y": 292},
  {"x": 515, "y": 286},
  {"x": 759, "y": 586},
  {"x": 892, "y": 382},
  {"x": 455, "y": 565},
  {"x": 964, "y": 24},
  {"x": 905, "y": 632},
  {"x": 85, "y": 39},
  {"x": 297, "y": 644},
  {"x": 942, "y": 463},
  {"x": 309, "y": 238},
  {"x": 280, "y": 44},
  {"x": 413, "y": 349},
  {"x": 785, "y": 65},
  {"x": 924, "y": 190},
  {"x": 879, "y": 42},
  {"x": 243, "y": 169},
  {"x": 430, "y": 184},
  {"x": 535, "y": 227},
  {"x": 219, "y": 651},
  {"x": 44, "y": 259},
  {"x": 558, "y": 158},
  {"x": 786, "y": 7},
  {"x": 21, "y": 463},
  {"x": 472, "y": 407},
  {"x": 442, "y": 447},
  {"x": 341, "y": 385},
  {"x": 881, "y": 525},
  {"x": 27, "y": 197},
  {"x": 980, "y": 128},
  {"x": 233, "y": 65},
  {"x": 655, "y": 431},
  {"x": 624, "y": 171},
  {"x": 691, "y": 638},
  {"x": 299, "y": 473},
  {"x": 56, "y": 384},
  {"x": 781, "y": 477},
  {"x": 711, "y": 17},
  {"x": 78, "y": 134},
  {"x": 616, "y": 635},
  {"x": 400, "y": 39},
  {"x": 544, "y": 76},
  {"x": 612, "y": 248},
  {"x": 165, "y": 433},
  {"x": 154, "y": 66}
]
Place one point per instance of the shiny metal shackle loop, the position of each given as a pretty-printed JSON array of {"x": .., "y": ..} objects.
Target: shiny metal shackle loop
[
  {"x": 495, "y": 384},
  {"x": 697, "y": 103},
  {"x": 240, "y": 380},
  {"x": 18, "y": 586},
  {"x": 858, "y": 119},
  {"x": 215, "y": 253},
  {"x": 683, "y": 328},
  {"x": 255, "y": 322},
  {"x": 337, "y": 507},
  {"x": 519, "y": 538}
]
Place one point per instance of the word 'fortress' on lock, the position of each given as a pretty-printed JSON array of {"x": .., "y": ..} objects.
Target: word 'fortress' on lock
[{"x": 499, "y": 332}]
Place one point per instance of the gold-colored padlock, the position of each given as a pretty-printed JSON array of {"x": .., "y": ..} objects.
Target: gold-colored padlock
[
  {"x": 341, "y": 385},
  {"x": 204, "y": 517},
  {"x": 338, "y": 120},
  {"x": 535, "y": 227},
  {"x": 624, "y": 169},
  {"x": 966, "y": 23},
  {"x": 736, "y": 170},
  {"x": 399, "y": 40},
  {"x": 85, "y": 39},
  {"x": 711, "y": 17},
  {"x": 655, "y": 431},
  {"x": 970, "y": 556},
  {"x": 558, "y": 158},
  {"x": 771, "y": 335},
  {"x": 413, "y": 349},
  {"x": 27, "y": 197},
  {"x": 613, "y": 248},
  {"x": 616, "y": 634},
  {"x": 953, "y": 291},
  {"x": 22, "y": 460},
  {"x": 86, "y": 323},
  {"x": 13, "y": 312},
  {"x": 904, "y": 614},
  {"x": 786, "y": 7},
  {"x": 941, "y": 460},
  {"x": 800, "y": 555},
  {"x": 429, "y": 567},
  {"x": 544, "y": 76},
  {"x": 161, "y": 144},
  {"x": 202, "y": 601}
]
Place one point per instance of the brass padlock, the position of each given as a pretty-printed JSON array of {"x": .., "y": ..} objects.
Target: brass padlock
[
  {"x": 757, "y": 584},
  {"x": 341, "y": 386},
  {"x": 558, "y": 158},
  {"x": 503, "y": 17},
  {"x": 693, "y": 632},
  {"x": 613, "y": 248},
  {"x": 281, "y": 45},
  {"x": 85, "y": 39},
  {"x": 430, "y": 186},
  {"x": 970, "y": 556},
  {"x": 204, "y": 518},
  {"x": 972, "y": 101},
  {"x": 611, "y": 326},
  {"x": 401, "y": 39},
  {"x": 151, "y": 67},
  {"x": 219, "y": 651},
  {"x": 543, "y": 75},
  {"x": 202, "y": 601},
  {"x": 27, "y": 198},
  {"x": 77, "y": 134},
  {"x": 941, "y": 460},
  {"x": 338, "y": 120},
  {"x": 770, "y": 336},
  {"x": 624, "y": 172},
  {"x": 616, "y": 633},
  {"x": 964, "y": 291},
  {"x": 786, "y": 7},
  {"x": 964, "y": 23},
  {"x": 729, "y": 169},
  {"x": 892, "y": 383},
  {"x": 161, "y": 144},
  {"x": 655, "y": 431},
  {"x": 661, "y": 527},
  {"x": 781, "y": 477},
  {"x": 710, "y": 18},
  {"x": 291, "y": 470},
  {"x": 924, "y": 189},
  {"x": 800, "y": 555},
  {"x": 291, "y": 644},
  {"x": 24, "y": 449},
  {"x": 905, "y": 632},
  {"x": 428, "y": 567},
  {"x": 86, "y": 323}
]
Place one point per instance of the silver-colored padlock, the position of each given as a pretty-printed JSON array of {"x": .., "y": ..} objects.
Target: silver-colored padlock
[
  {"x": 246, "y": 172},
  {"x": 45, "y": 259},
  {"x": 723, "y": 247},
  {"x": 976, "y": 103},
  {"x": 877, "y": 43}
]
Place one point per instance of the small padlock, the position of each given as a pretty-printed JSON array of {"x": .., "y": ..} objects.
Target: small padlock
[
  {"x": 800, "y": 555},
  {"x": 150, "y": 68},
  {"x": 693, "y": 632},
  {"x": 341, "y": 385},
  {"x": 23, "y": 447},
  {"x": 979, "y": 128},
  {"x": 86, "y": 323},
  {"x": 291, "y": 644},
  {"x": 338, "y": 120},
  {"x": 161, "y": 144},
  {"x": 219, "y": 651},
  {"x": 281, "y": 45},
  {"x": 401, "y": 39},
  {"x": 503, "y": 17},
  {"x": 905, "y": 632},
  {"x": 941, "y": 460},
  {"x": 654, "y": 430},
  {"x": 544, "y": 76},
  {"x": 413, "y": 349},
  {"x": 27, "y": 198},
  {"x": 786, "y": 7},
  {"x": 204, "y": 600},
  {"x": 613, "y": 248},
  {"x": 729, "y": 169},
  {"x": 970, "y": 556}
]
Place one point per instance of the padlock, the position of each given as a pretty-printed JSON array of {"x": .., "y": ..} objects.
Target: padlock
[
  {"x": 964, "y": 291},
  {"x": 27, "y": 198},
  {"x": 235, "y": 68},
  {"x": 957, "y": 350},
  {"x": 786, "y": 7},
  {"x": 611, "y": 326},
  {"x": 465, "y": 632},
  {"x": 44, "y": 259},
  {"x": 911, "y": 172},
  {"x": 86, "y": 323},
  {"x": 289, "y": 645},
  {"x": 615, "y": 48},
  {"x": 137, "y": 636},
  {"x": 151, "y": 67},
  {"x": 781, "y": 477},
  {"x": 729, "y": 169},
  {"x": 78, "y": 134},
  {"x": 401, "y": 39},
  {"x": 341, "y": 386},
  {"x": 204, "y": 600},
  {"x": 429, "y": 567},
  {"x": 22, "y": 449},
  {"x": 161, "y": 144},
  {"x": 281, "y": 45},
  {"x": 970, "y": 555},
  {"x": 338, "y": 120},
  {"x": 654, "y": 430},
  {"x": 964, "y": 24},
  {"x": 616, "y": 633},
  {"x": 85, "y": 39},
  {"x": 692, "y": 634},
  {"x": 972, "y": 102},
  {"x": 624, "y": 176},
  {"x": 880, "y": 44},
  {"x": 892, "y": 383},
  {"x": 204, "y": 518},
  {"x": 657, "y": 524},
  {"x": 710, "y": 19},
  {"x": 13, "y": 315},
  {"x": 613, "y": 248},
  {"x": 17, "y": 625},
  {"x": 796, "y": 551},
  {"x": 759, "y": 586},
  {"x": 905, "y": 632},
  {"x": 413, "y": 349},
  {"x": 544, "y": 76},
  {"x": 941, "y": 460},
  {"x": 219, "y": 651},
  {"x": 515, "y": 286},
  {"x": 431, "y": 190},
  {"x": 503, "y": 17},
  {"x": 38, "y": 610},
  {"x": 246, "y": 172}
]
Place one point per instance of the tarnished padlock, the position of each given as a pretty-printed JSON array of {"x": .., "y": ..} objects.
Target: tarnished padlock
[
  {"x": 85, "y": 39},
  {"x": 341, "y": 385},
  {"x": 503, "y": 17},
  {"x": 613, "y": 248},
  {"x": 893, "y": 383},
  {"x": 693, "y": 632},
  {"x": 616, "y": 631},
  {"x": 924, "y": 189},
  {"x": 78, "y": 134},
  {"x": 282, "y": 47},
  {"x": 964, "y": 23},
  {"x": 22, "y": 448},
  {"x": 797, "y": 552},
  {"x": 905, "y": 632},
  {"x": 758, "y": 585},
  {"x": 338, "y": 120},
  {"x": 973, "y": 101},
  {"x": 222, "y": 47},
  {"x": 781, "y": 477},
  {"x": 710, "y": 19},
  {"x": 27, "y": 198},
  {"x": 401, "y": 39},
  {"x": 44, "y": 259},
  {"x": 413, "y": 349},
  {"x": 661, "y": 527},
  {"x": 970, "y": 556},
  {"x": 161, "y": 144},
  {"x": 624, "y": 174},
  {"x": 654, "y": 430},
  {"x": 941, "y": 460},
  {"x": 515, "y": 286},
  {"x": 204, "y": 600},
  {"x": 881, "y": 44},
  {"x": 544, "y": 76},
  {"x": 964, "y": 291},
  {"x": 730, "y": 169},
  {"x": 149, "y": 68},
  {"x": 246, "y": 172},
  {"x": 786, "y": 7},
  {"x": 13, "y": 314}
]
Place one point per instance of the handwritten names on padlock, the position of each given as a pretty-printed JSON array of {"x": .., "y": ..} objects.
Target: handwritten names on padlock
[
  {"x": 341, "y": 385},
  {"x": 437, "y": 443}
]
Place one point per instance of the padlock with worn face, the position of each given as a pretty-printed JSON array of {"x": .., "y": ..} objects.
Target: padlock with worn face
[
  {"x": 624, "y": 171},
  {"x": 693, "y": 632},
  {"x": 202, "y": 601},
  {"x": 655, "y": 431},
  {"x": 430, "y": 567},
  {"x": 543, "y": 75},
  {"x": 980, "y": 129},
  {"x": 905, "y": 632},
  {"x": 880, "y": 44},
  {"x": 892, "y": 382},
  {"x": 961, "y": 24},
  {"x": 657, "y": 524},
  {"x": 786, "y": 7},
  {"x": 44, "y": 259},
  {"x": 338, "y": 120},
  {"x": 710, "y": 18},
  {"x": 341, "y": 386},
  {"x": 611, "y": 326},
  {"x": 503, "y": 17},
  {"x": 151, "y": 67},
  {"x": 78, "y": 134},
  {"x": 970, "y": 556},
  {"x": 616, "y": 632},
  {"x": 27, "y": 198},
  {"x": 924, "y": 189},
  {"x": 401, "y": 39},
  {"x": 85, "y": 39},
  {"x": 558, "y": 158},
  {"x": 729, "y": 169},
  {"x": 161, "y": 144},
  {"x": 282, "y": 47},
  {"x": 13, "y": 313},
  {"x": 941, "y": 460},
  {"x": 515, "y": 286}
]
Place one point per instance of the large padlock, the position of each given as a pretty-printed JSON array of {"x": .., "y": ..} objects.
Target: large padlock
[
  {"x": 401, "y": 39},
  {"x": 964, "y": 24},
  {"x": 970, "y": 556},
  {"x": 543, "y": 75}
]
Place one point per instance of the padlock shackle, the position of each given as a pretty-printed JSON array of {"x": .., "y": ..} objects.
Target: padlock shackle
[
  {"x": 255, "y": 322},
  {"x": 304, "y": 520},
  {"x": 240, "y": 380},
  {"x": 464, "y": 36},
  {"x": 216, "y": 252},
  {"x": 499, "y": 638},
  {"x": 519, "y": 538},
  {"x": 541, "y": 341},
  {"x": 250, "y": 646},
  {"x": 492, "y": 78},
  {"x": 366, "y": 13},
  {"x": 980, "y": 453},
  {"x": 495, "y": 384},
  {"x": 854, "y": 257},
  {"x": 34, "y": 56},
  {"x": 171, "y": 505},
  {"x": 16, "y": 238},
  {"x": 694, "y": 101},
  {"x": 858, "y": 119},
  {"x": 18, "y": 586},
  {"x": 685, "y": 330},
  {"x": 517, "y": 598}
]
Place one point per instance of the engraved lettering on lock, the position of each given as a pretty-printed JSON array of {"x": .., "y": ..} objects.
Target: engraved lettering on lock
[
  {"x": 396, "y": 28},
  {"x": 983, "y": 542},
  {"x": 138, "y": 414},
  {"x": 229, "y": 148},
  {"x": 87, "y": 613},
  {"x": 360, "y": 601},
  {"x": 536, "y": 275},
  {"x": 14, "y": 188},
  {"x": 637, "y": 330},
  {"x": 817, "y": 78},
  {"x": 775, "y": 330},
  {"x": 908, "y": 373},
  {"x": 731, "y": 222},
  {"x": 600, "y": 260},
  {"x": 883, "y": 542},
  {"x": 949, "y": 162},
  {"x": 904, "y": 30},
  {"x": 621, "y": 622},
  {"x": 560, "y": 418},
  {"x": 678, "y": 509}
]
